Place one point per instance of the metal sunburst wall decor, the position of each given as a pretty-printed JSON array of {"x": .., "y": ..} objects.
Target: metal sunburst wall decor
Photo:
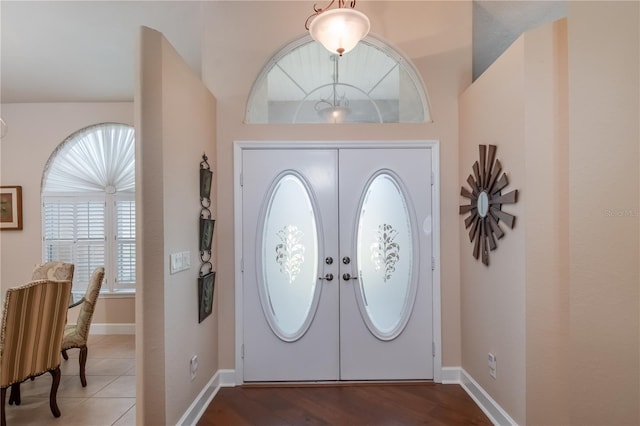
[{"x": 485, "y": 211}]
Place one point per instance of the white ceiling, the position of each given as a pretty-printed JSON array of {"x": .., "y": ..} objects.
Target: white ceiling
[
  {"x": 53, "y": 51},
  {"x": 71, "y": 51},
  {"x": 497, "y": 24}
]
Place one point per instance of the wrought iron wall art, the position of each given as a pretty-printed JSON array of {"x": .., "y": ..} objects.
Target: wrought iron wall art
[
  {"x": 485, "y": 211},
  {"x": 206, "y": 279}
]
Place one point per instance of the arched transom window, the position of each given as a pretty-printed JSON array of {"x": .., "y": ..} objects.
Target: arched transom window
[
  {"x": 88, "y": 198},
  {"x": 304, "y": 83}
]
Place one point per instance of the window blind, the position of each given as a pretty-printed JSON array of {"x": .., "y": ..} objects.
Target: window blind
[
  {"x": 74, "y": 231},
  {"x": 125, "y": 243}
]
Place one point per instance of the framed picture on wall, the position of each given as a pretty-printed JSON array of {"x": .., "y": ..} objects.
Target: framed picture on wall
[
  {"x": 205, "y": 295},
  {"x": 10, "y": 208}
]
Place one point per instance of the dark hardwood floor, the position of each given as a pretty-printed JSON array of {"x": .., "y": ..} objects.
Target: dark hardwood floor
[{"x": 367, "y": 404}]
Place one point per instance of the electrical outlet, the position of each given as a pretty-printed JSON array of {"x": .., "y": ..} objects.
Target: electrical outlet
[
  {"x": 193, "y": 366},
  {"x": 493, "y": 364}
]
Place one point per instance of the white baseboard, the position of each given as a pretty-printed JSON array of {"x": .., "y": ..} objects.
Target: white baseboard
[
  {"x": 222, "y": 378},
  {"x": 112, "y": 328},
  {"x": 488, "y": 405},
  {"x": 450, "y": 375},
  {"x": 227, "y": 378}
]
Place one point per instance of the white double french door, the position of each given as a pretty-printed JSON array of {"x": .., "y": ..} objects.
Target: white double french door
[{"x": 337, "y": 255}]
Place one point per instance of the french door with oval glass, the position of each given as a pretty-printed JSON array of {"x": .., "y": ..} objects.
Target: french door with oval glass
[{"x": 337, "y": 277}]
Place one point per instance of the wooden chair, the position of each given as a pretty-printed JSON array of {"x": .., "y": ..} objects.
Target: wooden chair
[
  {"x": 76, "y": 335},
  {"x": 31, "y": 337}
]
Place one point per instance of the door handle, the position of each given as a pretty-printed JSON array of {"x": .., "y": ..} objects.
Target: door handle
[
  {"x": 327, "y": 277},
  {"x": 348, "y": 277}
]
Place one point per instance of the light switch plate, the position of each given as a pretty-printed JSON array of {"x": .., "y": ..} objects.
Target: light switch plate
[
  {"x": 186, "y": 260},
  {"x": 175, "y": 262}
]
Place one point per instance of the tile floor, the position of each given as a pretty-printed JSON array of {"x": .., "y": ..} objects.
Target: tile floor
[{"x": 109, "y": 398}]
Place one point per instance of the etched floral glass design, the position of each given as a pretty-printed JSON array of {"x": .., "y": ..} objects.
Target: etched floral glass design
[
  {"x": 385, "y": 255},
  {"x": 290, "y": 252},
  {"x": 385, "y": 252},
  {"x": 289, "y": 257}
]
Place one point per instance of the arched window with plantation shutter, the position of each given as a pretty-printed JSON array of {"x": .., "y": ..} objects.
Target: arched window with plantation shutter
[{"x": 88, "y": 199}]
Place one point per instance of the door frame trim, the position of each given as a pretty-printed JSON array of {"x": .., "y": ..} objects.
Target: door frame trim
[{"x": 240, "y": 146}]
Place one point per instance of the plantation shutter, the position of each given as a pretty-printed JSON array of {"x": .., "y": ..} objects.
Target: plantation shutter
[
  {"x": 59, "y": 229},
  {"x": 125, "y": 243},
  {"x": 74, "y": 231}
]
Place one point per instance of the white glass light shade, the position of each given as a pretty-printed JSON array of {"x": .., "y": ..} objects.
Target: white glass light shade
[
  {"x": 334, "y": 114},
  {"x": 339, "y": 30}
]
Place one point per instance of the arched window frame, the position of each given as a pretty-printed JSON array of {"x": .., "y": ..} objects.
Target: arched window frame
[
  {"x": 370, "y": 39},
  {"x": 88, "y": 210}
]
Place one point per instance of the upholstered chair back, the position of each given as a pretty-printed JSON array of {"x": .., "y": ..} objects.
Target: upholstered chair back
[
  {"x": 53, "y": 271},
  {"x": 33, "y": 324},
  {"x": 76, "y": 335},
  {"x": 89, "y": 305}
]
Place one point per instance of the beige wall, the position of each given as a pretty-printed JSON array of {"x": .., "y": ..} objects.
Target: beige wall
[
  {"x": 492, "y": 111},
  {"x": 517, "y": 308},
  {"x": 563, "y": 103},
  {"x": 110, "y": 312},
  {"x": 175, "y": 125},
  {"x": 604, "y": 211},
  {"x": 436, "y": 36},
  {"x": 546, "y": 229},
  {"x": 35, "y": 130}
]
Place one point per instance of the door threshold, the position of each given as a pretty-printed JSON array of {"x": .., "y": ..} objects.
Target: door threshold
[{"x": 335, "y": 383}]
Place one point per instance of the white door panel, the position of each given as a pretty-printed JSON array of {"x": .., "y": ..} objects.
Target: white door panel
[
  {"x": 393, "y": 269},
  {"x": 273, "y": 349},
  {"x": 301, "y": 206}
]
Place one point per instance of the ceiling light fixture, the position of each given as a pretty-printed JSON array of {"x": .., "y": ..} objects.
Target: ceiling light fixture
[
  {"x": 339, "y": 30},
  {"x": 336, "y": 109}
]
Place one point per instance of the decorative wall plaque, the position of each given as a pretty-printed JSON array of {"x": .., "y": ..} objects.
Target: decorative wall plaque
[{"x": 485, "y": 211}]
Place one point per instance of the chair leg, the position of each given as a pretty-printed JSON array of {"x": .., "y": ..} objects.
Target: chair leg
[
  {"x": 54, "y": 392},
  {"x": 64, "y": 354},
  {"x": 3, "y": 394},
  {"x": 83, "y": 363},
  {"x": 14, "y": 396}
]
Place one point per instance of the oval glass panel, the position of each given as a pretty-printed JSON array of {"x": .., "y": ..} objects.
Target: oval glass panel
[
  {"x": 385, "y": 257},
  {"x": 289, "y": 259}
]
